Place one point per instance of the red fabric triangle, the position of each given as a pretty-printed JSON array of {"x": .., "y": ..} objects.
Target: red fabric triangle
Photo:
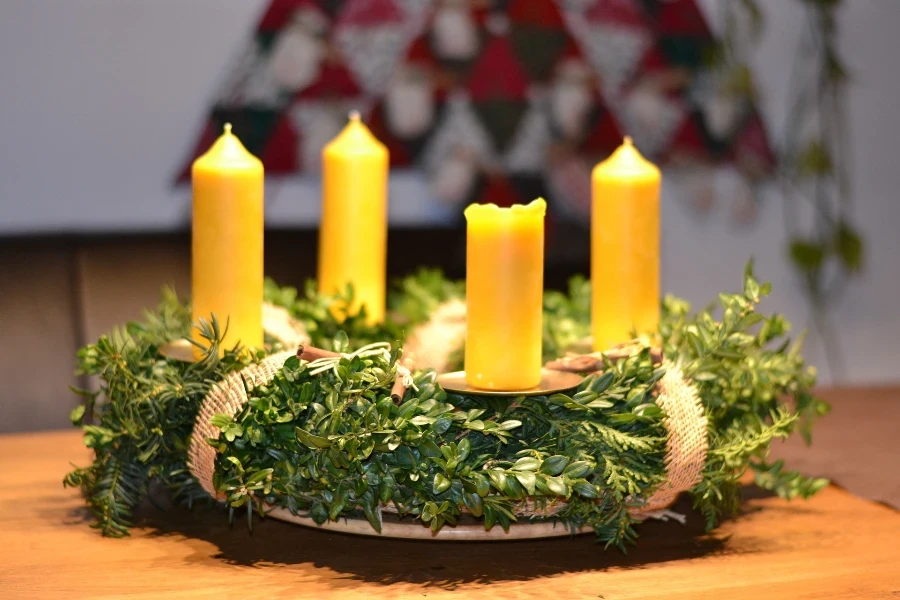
[
  {"x": 605, "y": 135},
  {"x": 654, "y": 61},
  {"x": 419, "y": 51},
  {"x": 572, "y": 51},
  {"x": 498, "y": 74},
  {"x": 366, "y": 13},
  {"x": 280, "y": 12},
  {"x": 625, "y": 13},
  {"x": 419, "y": 54},
  {"x": 480, "y": 15},
  {"x": 536, "y": 13},
  {"x": 280, "y": 155},
  {"x": 689, "y": 140},
  {"x": 335, "y": 81},
  {"x": 497, "y": 190},
  {"x": 681, "y": 17}
]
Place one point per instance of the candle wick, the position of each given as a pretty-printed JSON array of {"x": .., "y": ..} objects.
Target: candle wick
[
  {"x": 227, "y": 128},
  {"x": 627, "y": 140},
  {"x": 354, "y": 115}
]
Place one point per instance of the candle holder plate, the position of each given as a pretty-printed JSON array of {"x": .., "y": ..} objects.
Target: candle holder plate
[
  {"x": 551, "y": 383},
  {"x": 181, "y": 349}
]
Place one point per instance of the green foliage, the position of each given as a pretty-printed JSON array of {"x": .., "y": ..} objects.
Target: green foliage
[
  {"x": 144, "y": 412},
  {"x": 325, "y": 315},
  {"x": 411, "y": 301},
  {"x": 332, "y": 443},
  {"x": 414, "y": 299},
  {"x": 326, "y": 440},
  {"x": 814, "y": 159},
  {"x": 567, "y": 318},
  {"x": 744, "y": 368}
]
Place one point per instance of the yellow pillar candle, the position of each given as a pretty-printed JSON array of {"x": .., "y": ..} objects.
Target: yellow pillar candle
[
  {"x": 227, "y": 241},
  {"x": 353, "y": 234},
  {"x": 504, "y": 295},
  {"x": 624, "y": 247}
]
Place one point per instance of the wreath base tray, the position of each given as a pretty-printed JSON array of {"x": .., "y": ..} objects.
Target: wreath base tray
[{"x": 467, "y": 529}]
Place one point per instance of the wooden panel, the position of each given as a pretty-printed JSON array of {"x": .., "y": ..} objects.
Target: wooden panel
[
  {"x": 38, "y": 336},
  {"x": 121, "y": 278},
  {"x": 836, "y": 546}
]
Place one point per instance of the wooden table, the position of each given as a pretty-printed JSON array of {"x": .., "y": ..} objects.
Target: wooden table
[{"x": 835, "y": 546}]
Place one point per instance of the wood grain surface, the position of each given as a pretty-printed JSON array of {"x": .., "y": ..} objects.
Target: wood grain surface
[{"x": 836, "y": 546}]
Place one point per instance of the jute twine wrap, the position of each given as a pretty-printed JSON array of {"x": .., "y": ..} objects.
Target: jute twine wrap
[
  {"x": 430, "y": 344},
  {"x": 279, "y": 324},
  {"x": 687, "y": 441},
  {"x": 225, "y": 398},
  {"x": 685, "y": 422}
]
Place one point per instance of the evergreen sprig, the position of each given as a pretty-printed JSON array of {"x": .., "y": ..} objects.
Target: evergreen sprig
[
  {"x": 327, "y": 440},
  {"x": 755, "y": 388},
  {"x": 140, "y": 420}
]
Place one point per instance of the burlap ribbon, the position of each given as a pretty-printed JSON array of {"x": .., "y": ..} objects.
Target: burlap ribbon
[
  {"x": 687, "y": 440},
  {"x": 225, "y": 398},
  {"x": 685, "y": 421}
]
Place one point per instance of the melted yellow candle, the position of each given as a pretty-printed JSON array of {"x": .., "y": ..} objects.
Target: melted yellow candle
[
  {"x": 504, "y": 295},
  {"x": 227, "y": 241},
  {"x": 624, "y": 247},
  {"x": 353, "y": 234}
]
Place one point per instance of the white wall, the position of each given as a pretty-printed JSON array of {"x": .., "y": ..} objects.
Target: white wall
[
  {"x": 867, "y": 320},
  {"x": 100, "y": 101}
]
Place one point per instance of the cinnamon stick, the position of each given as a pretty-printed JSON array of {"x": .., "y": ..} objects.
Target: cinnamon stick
[
  {"x": 399, "y": 388},
  {"x": 584, "y": 363},
  {"x": 311, "y": 353},
  {"x": 589, "y": 363}
]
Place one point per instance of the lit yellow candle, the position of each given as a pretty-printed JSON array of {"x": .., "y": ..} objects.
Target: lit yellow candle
[
  {"x": 624, "y": 247},
  {"x": 227, "y": 241},
  {"x": 353, "y": 234},
  {"x": 504, "y": 295}
]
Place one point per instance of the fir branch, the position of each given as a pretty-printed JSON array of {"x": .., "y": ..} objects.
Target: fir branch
[
  {"x": 144, "y": 412},
  {"x": 787, "y": 484}
]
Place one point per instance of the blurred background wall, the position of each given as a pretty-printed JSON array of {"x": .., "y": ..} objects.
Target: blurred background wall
[{"x": 100, "y": 103}]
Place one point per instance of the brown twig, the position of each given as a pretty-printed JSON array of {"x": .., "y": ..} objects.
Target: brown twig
[
  {"x": 590, "y": 363},
  {"x": 399, "y": 388},
  {"x": 583, "y": 363},
  {"x": 310, "y": 353}
]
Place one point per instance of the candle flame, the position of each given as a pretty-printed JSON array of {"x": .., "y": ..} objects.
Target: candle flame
[
  {"x": 227, "y": 128},
  {"x": 354, "y": 115}
]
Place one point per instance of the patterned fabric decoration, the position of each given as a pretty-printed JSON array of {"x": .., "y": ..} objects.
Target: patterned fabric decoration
[{"x": 495, "y": 100}]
